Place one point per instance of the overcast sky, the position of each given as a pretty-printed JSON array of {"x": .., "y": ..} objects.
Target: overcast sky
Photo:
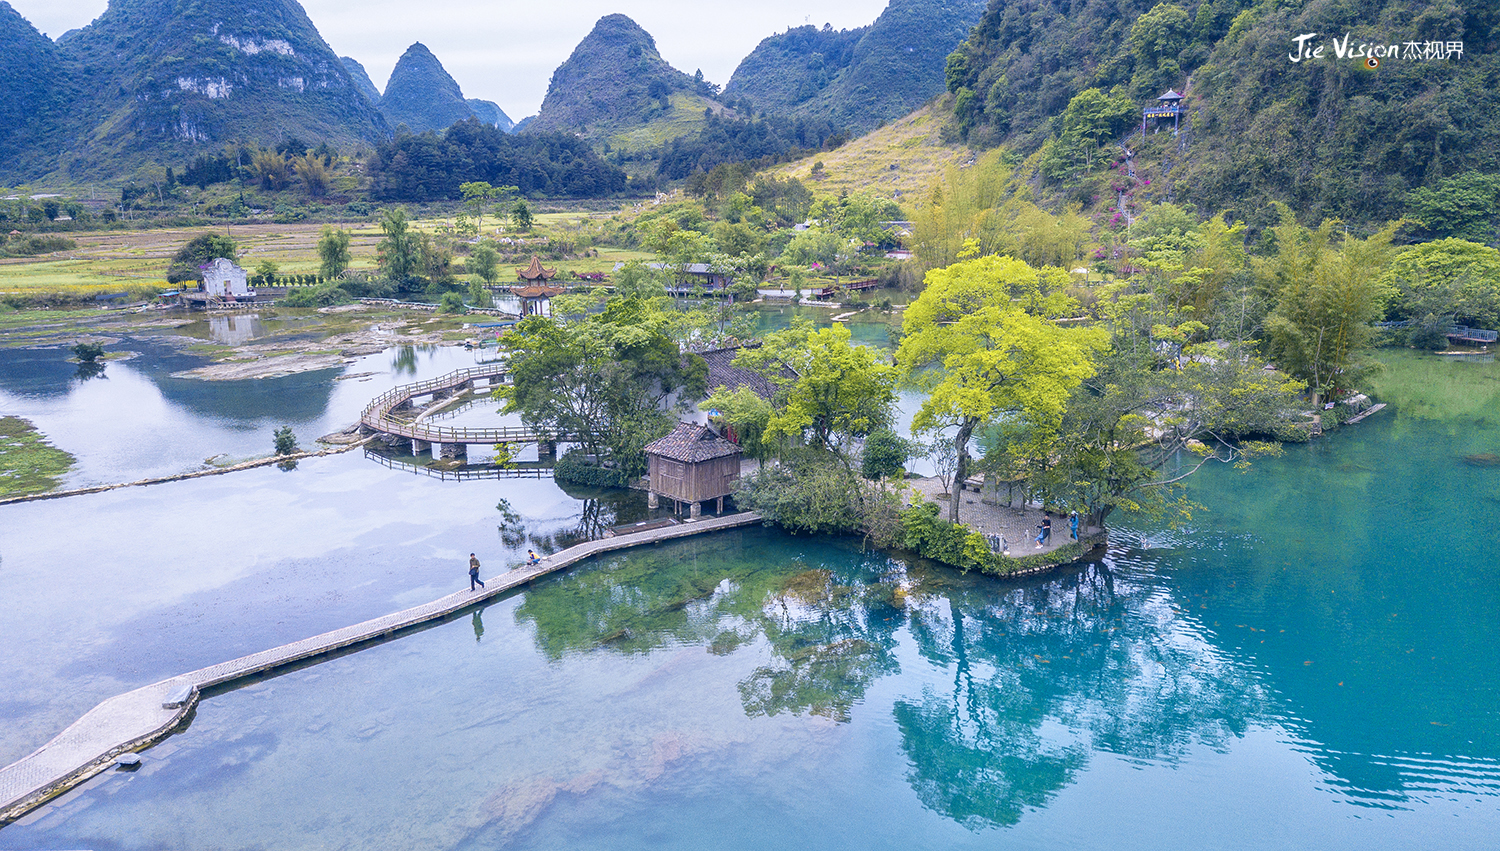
[{"x": 506, "y": 51}]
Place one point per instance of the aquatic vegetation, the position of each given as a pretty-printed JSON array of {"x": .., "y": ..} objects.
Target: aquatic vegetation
[{"x": 28, "y": 463}]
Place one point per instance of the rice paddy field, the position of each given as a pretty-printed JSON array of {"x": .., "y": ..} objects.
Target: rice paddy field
[{"x": 115, "y": 261}]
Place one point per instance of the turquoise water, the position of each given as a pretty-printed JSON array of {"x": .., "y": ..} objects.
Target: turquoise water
[{"x": 1313, "y": 663}]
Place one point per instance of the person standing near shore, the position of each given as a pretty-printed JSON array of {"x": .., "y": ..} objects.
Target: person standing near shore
[
  {"x": 474, "y": 572},
  {"x": 1073, "y": 524}
]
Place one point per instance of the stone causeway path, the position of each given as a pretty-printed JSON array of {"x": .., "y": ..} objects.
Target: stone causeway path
[{"x": 139, "y": 718}]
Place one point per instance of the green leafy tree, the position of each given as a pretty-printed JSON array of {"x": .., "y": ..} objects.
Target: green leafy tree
[
  {"x": 400, "y": 253},
  {"x": 333, "y": 251},
  {"x": 1130, "y": 423},
  {"x": 452, "y": 303},
  {"x": 285, "y": 440},
  {"x": 484, "y": 262},
  {"x": 479, "y": 296},
  {"x": 1463, "y": 206},
  {"x": 88, "y": 352},
  {"x": 200, "y": 251},
  {"x": 840, "y": 391},
  {"x": 520, "y": 216},
  {"x": 478, "y": 194},
  {"x": 271, "y": 170},
  {"x": 1334, "y": 287},
  {"x": 603, "y": 379},
  {"x": 885, "y": 455},
  {"x": 748, "y": 414},
  {"x": 266, "y": 271},
  {"x": 1092, "y": 117},
  {"x": 982, "y": 357},
  {"x": 312, "y": 170},
  {"x": 1449, "y": 277}
]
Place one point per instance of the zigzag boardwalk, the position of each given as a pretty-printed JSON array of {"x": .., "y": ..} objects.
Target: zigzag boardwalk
[{"x": 137, "y": 719}]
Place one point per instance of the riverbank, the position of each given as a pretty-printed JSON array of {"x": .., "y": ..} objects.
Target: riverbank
[{"x": 290, "y": 458}]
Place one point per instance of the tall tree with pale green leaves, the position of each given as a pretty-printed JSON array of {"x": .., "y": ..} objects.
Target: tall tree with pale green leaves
[
  {"x": 835, "y": 390},
  {"x": 970, "y": 342},
  {"x": 1330, "y": 287},
  {"x": 333, "y": 252}
]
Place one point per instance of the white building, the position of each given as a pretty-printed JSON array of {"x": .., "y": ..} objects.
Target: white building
[{"x": 223, "y": 278}]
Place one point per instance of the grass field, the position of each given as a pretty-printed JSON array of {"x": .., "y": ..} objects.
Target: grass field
[
  {"x": 136, "y": 261},
  {"x": 903, "y": 159}
]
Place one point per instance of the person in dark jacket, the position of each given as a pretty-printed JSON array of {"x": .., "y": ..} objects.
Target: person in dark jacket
[
  {"x": 1044, "y": 532},
  {"x": 474, "y": 572}
]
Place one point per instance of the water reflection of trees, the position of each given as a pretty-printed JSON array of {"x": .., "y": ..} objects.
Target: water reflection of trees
[
  {"x": 1040, "y": 676},
  {"x": 831, "y": 629},
  {"x": 599, "y": 511},
  {"x": 1045, "y": 674}
]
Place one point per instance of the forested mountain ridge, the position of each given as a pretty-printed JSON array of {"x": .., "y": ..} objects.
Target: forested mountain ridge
[
  {"x": 33, "y": 96},
  {"x": 490, "y": 113},
  {"x": 1329, "y": 136},
  {"x": 157, "y": 80},
  {"x": 421, "y": 94},
  {"x": 361, "y": 78},
  {"x": 859, "y": 78},
  {"x": 789, "y": 69}
]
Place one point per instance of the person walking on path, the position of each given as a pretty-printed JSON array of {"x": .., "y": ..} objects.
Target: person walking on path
[
  {"x": 474, "y": 572},
  {"x": 1073, "y": 524},
  {"x": 1044, "y": 533}
]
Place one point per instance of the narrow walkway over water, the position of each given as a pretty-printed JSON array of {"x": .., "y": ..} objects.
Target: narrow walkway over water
[
  {"x": 139, "y": 718},
  {"x": 378, "y": 416}
]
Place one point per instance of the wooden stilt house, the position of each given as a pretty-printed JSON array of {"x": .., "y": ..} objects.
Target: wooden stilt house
[{"x": 691, "y": 465}]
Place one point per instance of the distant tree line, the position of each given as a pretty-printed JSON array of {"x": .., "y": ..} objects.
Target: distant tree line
[
  {"x": 432, "y": 166},
  {"x": 763, "y": 140}
]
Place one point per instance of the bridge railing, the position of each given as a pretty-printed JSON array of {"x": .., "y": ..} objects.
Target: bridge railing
[
  {"x": 376, "y": 414},
  {"x": 462, "y": 474},
  {"x": 402, "y": 393}
]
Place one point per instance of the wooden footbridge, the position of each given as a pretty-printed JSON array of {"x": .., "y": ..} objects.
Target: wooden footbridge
[
  {"x": 138, "y": 719},
  {"x": 385, "y": 415}
]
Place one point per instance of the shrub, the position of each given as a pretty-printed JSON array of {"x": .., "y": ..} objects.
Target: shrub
[
  {"x": 286, "y": 442},
  {"x": 575, "y": 469},
  {"x": 814, "y": 492},
  {"x": 884, "y": 456},
  {"x": 88, "y": 352},
  {"x": 324, "y": 295},
  {"x": 452, "y": 303}
]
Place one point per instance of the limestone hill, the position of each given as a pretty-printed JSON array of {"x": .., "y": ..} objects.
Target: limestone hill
[
  {"x": 33, "y": 94},
  {"x": 158, "y": 81},
  {"x": 421, "y": 94},
  {"x": 617, "y": 88},
  {"x": 361, "y": 79},
  {"x": 1331, "y": 137},
  {"x": 862, "y": 77},
  {"x": 490, "y": 113}
]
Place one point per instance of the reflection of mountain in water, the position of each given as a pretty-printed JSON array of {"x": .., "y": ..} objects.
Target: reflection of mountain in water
[
  {"x": 47, "y": 373},
  {"x": 44, "y": 373},
  {"x": 289, "y": 399}
]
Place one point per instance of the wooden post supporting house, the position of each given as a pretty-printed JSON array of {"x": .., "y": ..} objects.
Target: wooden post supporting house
[{"x": 692, "y": 465}]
